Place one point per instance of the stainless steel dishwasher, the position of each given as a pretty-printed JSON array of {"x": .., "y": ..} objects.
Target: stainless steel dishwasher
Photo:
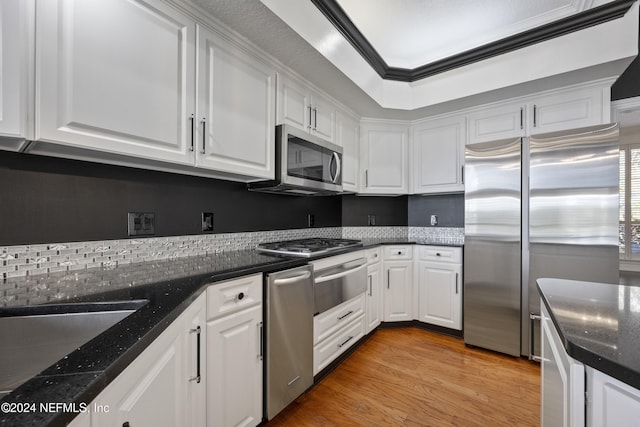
[{"x": 289, "y": 338}]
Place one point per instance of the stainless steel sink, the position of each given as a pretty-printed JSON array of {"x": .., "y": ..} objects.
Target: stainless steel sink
[{"x": 35, "y": 337}]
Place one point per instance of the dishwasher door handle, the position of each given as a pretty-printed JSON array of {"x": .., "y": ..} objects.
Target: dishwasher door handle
[
  {"x": 289, "y": 280},
  {"x": 322, "y": 279}
]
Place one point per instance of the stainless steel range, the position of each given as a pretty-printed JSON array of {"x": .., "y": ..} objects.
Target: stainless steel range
[{"x": 307, "y": 247}]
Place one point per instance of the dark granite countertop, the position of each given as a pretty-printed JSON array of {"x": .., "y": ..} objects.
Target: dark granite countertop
[
  {"x": 370, "y": 243},
  {"x": 598, "y": 323},
  {"x": 169, "y": 286}
]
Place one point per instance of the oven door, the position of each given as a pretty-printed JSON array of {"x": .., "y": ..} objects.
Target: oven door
[{"x": 338, "y": 283}]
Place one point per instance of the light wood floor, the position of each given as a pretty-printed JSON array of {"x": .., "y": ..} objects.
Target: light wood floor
[{"x": 413, "y": 377}]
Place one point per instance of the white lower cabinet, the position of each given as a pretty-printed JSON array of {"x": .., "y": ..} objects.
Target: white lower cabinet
[
  {"x": 611, "y": 403},
  {"x": 439, "y": 286},
  {"x": 373, "y": 294},
  {"x": 234, "y": 358},
  {"x": 336, "y": 330},
  {"x": 398, "y": 283},
  {"x": 562, "y": 380},
  {"x": 161, "y": 386}
]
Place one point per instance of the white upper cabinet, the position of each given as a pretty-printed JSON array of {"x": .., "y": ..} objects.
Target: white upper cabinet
[
  {"x": 504, "y": 121},
  {"x": 16, "y": 71},
  {"x": 305, "y": 109},
  {"x": 437, "y": 148},
  {"x": 384, "y": 158},
  {"x": 568, "y": 109},
  {"x": 236, "y": 110},
  {"x": 348, "y": 137},
  {"x": 116, "y": 77}
]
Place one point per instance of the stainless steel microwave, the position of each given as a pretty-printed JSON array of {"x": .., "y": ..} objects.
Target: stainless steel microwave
[{"x": 305, "y": 165}]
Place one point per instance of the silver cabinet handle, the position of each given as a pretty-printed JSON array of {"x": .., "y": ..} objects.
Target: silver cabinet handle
[
  {"x": 315, "y": 118},
  {"x": 309, "y": 125},
  {"x": 260, "y": 341},
  {"x": 197, "y": 331},
  {"x": 532, "y": 341},
  {"x": 345, "y": 341},
  {"x": 345, "y": 315},
  {"x": 370, "y": 285},
  {"x": 192, "y": 118},
  {"x": 388, "y": 279},
  {"x": 521, "y": 117},
  {"x": 294, "y": 279},
  {"x": 456, "y": 282},
  {"x": 535, "y": 114},
  {"x": 204, "y": 135},
  {"x": 462, "y": 175},
  {"x": 366, "y": 178}
]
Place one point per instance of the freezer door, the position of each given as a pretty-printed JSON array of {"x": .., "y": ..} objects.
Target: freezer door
[
  {"x": 573, "y": 211},
  {"x": 492, "y": 267}
]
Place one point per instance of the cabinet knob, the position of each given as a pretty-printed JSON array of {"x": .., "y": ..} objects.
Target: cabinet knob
[
  {"x": 399, "y": 252},
  {"x": 240, "y": 296},
  {"x": 437, "y": 253}
]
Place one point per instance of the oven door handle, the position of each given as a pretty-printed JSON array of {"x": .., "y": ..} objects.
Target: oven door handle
[
  {"x": 360, "y": 266},
  {"x": 289, "y": 280},
  {"x": 335, "y": 158}
]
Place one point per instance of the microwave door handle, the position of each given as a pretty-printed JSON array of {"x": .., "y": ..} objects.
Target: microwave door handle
[{"x": 335, "y": 158}]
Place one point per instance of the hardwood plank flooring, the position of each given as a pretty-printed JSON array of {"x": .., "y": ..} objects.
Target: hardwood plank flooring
[{"x": 413, "y": 377}]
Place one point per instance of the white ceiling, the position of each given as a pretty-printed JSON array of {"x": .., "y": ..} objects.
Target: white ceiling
[
  {"x": 392, "y": 30},
  {"x": 411, "y": 33}
]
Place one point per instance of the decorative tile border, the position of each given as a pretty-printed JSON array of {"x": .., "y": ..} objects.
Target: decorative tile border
[
  {"x": 31, "y": 260},
  {"x": 437, "y": 235}
]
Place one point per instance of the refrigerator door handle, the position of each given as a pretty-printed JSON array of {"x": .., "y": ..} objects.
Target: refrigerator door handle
[{"x": 532, "y": 340}]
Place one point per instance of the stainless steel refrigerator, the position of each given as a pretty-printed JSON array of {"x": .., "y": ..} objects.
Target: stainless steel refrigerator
[{"x": 545, "y": 206}]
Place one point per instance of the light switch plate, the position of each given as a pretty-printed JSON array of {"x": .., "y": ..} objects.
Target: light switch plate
[{"x": 141, "y": 223}]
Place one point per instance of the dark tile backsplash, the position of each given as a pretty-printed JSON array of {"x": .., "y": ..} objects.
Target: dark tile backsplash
[
  {"x": 448, "y": 207},
  {"x": 46, "y": 199}
]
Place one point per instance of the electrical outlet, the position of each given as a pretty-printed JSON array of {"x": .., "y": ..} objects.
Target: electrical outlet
[
  {"x": 434, "y": 220},
  {"x": 311, "y": 220},
  {"x": 141, "y": 223},
  {"x": 207, "y": 221},
  {"x": 371, "y": 220}
]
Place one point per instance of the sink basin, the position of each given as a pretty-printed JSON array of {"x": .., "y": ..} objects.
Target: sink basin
[{"x": 35, "y": 337}]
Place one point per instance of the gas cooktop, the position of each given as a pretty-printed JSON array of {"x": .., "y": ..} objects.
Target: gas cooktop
[{"x": 307, "y": 247}]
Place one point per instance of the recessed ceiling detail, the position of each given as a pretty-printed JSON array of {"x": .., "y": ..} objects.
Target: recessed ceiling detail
[{"x": 546, "y": 19}]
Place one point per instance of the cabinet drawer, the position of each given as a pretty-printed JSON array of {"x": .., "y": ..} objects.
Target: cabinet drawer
[
  {"x": 326, "y": 352},
  {"x": 330, "y": 321},
  {"x": 440, "y": 254},
  {"x": 397, "y": 252},
  {"x": 373, "y": 255},
  {"x": 228, "y": 297}
]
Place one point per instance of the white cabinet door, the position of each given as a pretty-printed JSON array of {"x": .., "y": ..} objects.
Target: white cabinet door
[
  {"x": 496, "y": 122},
  {"x": 116, "y": 76},
  {"x": 374, "y": 297},
  {"x": 568, "y": 110},
  {"x": 293, "y": 104},
  {"x": 347, "y": 136},
  {"x": 16, "y": 44},
  {"x": 398, "y": 291},
  {"x": 299, "y": 106},
  {"x": 323, "y": 117},
  {"x": 384, "y": 158},
  {"x": 234, "y": 366},
  {"x": 158, "y": 388},
  {"x": 438, "y": 155},
  {"x": 563, "y": 387},
  {"x": 611, "y": 403},
  {"x": 440, "y": 294},
  {"x": 236, "y": 110}
]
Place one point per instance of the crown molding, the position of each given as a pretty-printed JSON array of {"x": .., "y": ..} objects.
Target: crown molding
[{"x": 337, "y": 16}]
